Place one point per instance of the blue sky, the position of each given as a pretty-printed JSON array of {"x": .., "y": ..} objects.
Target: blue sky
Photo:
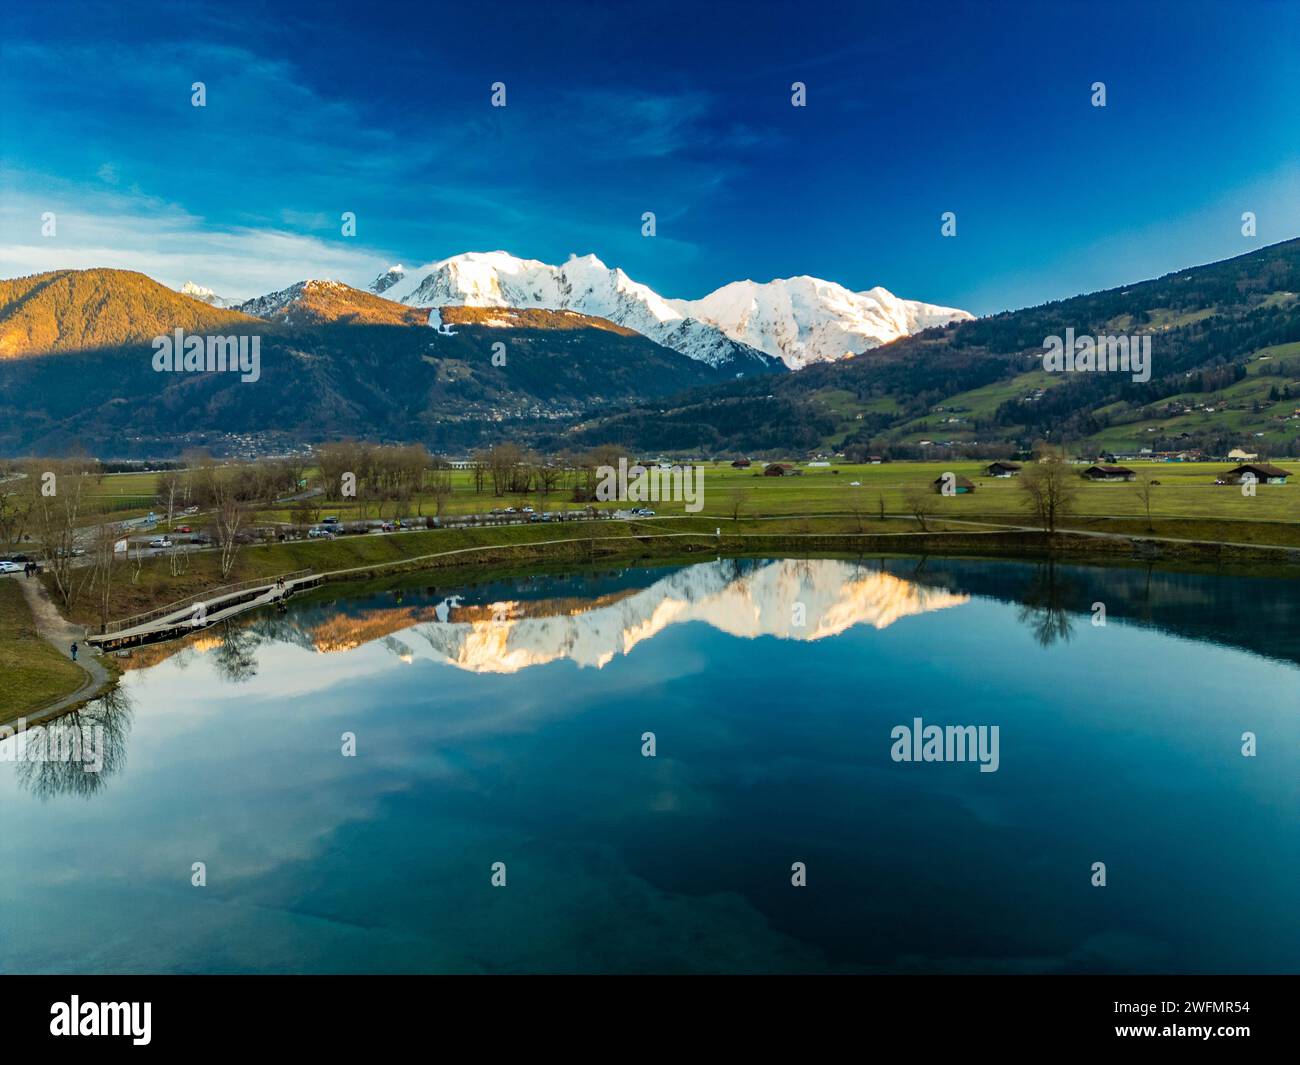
[{"x": 681, "y": 109}]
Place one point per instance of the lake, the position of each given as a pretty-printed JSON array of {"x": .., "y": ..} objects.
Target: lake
[{"x": 356, "y": 771}]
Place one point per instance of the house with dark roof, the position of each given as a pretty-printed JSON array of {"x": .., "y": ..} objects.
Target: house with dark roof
[
  {"x": 778, "y": 469},
  {"x": 1263, "y": 472},
  {"x": 961, "y": 485},
  {"x": 1002, "y": 469},
  {"x": 1109, "y": 473}
]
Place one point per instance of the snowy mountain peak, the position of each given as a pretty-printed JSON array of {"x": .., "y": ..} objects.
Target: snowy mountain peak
[
  {"x": 387, "y": 279},
  {"x": 798, "y": 320},
  {"x": 583, "y": 284},
  {"x": 274, "y": 303},
  {"x": 198, "y": 292},
  {"x": 806, "y": 319}
]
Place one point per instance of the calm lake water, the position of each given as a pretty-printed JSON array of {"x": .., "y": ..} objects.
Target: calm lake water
[{"x": 504, "y": 722}]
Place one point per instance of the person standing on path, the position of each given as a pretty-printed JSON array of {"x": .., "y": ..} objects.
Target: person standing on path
[{"x": 74, "y": 650}]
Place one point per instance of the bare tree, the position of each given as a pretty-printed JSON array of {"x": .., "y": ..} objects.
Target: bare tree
[
  {"x": 15, "y": 507},
  {"x": 103, "y": 563},
  {"x": 1145, "y": 490},
  {"x": 919, "y": 499},
  {"x": 56, "y": 491},
  {"x": 440, "y": 483},
  {"x": 1049, "y": 488},
  {"x": 736, "y": 498},
  {"x": 171, "y": 486}
]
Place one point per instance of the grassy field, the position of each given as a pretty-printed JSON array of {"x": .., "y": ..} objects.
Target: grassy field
[
  {"x": 34, "y": 673},
  {"x": 1186, "y": 490}
]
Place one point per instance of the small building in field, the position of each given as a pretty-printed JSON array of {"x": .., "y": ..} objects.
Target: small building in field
[
  {"x": 1109, "y": 473},
  {"x": 961, "y": 485},
  {"x": 874, "y": 460},
  {"x": 1264, "y": 473},
  {"x": 1002, "y": 469},
  {"x": 818, "y": 464},
  {"x": 778, "y": 469},
  {"x": 1238, "y": 455},
  {"x": 741, "y": 464}
]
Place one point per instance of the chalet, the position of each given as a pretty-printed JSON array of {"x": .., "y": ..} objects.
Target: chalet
[
  {"x": 1002, "y": 469},
  {"x": 778, "y": 469},
  {"x": 1264, "y": 473},
  {"x": 741, "y": 464},
  {"x": 962, "y": 486},
  {"x": 1109, "y": 473},
  {"x": 1238, "y": 455},
  {"x": 876, "y": 460}
]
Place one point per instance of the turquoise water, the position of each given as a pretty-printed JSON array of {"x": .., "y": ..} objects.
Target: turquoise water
[{"x": 504, "y": 723}]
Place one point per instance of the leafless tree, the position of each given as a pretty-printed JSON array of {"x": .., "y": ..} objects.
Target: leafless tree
[
  {"x": 170, "y": 489},
  {"x": 1049, "y": 488},
  {"x": 736, "y": 499},
  {"x": 15, "y": 506},
  {"x": 919, "y": 499},
  {"x": 103, "y": 563},
  {"x": 440, "y": 487},
  {"x": 56, "y": 489},
  {"x": 1145, "y": 489}
]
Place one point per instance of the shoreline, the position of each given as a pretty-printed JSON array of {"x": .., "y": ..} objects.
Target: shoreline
[{"x": 477, "y": 563}]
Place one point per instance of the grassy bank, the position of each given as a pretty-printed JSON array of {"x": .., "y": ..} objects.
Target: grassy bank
[{"x": 34, "y": 673}]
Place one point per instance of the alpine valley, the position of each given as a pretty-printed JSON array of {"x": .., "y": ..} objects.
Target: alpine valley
[{"x": 486, "y": 346}]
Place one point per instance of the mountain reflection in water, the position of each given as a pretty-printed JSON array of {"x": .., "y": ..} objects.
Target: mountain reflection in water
[{"x": 503, "y": 628}]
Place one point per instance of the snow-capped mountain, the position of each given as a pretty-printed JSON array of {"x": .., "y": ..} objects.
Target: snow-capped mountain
[
  {"x": 798, "y": 320},
  {"x": 805, "y": 319},
  {"x": 387, "y": 279},
  {"x": 205, "y": 294},
  {"x": 583, "y": 284},
  {"x": 276, "y": 303}
]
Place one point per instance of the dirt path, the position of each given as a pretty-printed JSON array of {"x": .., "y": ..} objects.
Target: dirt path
[{"x": 60, "y": 634}]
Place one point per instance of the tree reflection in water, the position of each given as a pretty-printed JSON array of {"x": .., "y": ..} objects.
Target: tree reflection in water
[
  {"x": 105, "y": 722},
  {"x": 235, "y": 658},
  {"x": 1044, "y": 606}
]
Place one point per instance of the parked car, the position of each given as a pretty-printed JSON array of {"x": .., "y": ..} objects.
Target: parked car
[
  {"x": 526, "y": 510},
  {"x": 183, "y": 529},
  {"x": 329, "y": 521},
  {"x": 317, "y": 534},
  {"x": 642, "y": 512},
  {"x": 160, "y": 541},
  {"x": 388, "y": 526},
  {"x": 9, "y": 567}
]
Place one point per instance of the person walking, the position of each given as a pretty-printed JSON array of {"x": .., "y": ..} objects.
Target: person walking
[{"x": 74, "y": 650}]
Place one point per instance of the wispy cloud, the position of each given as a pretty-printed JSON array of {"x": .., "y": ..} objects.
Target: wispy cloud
[{"x": 132, "y": 231}]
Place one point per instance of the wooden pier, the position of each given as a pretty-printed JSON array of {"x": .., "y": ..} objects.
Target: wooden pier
[{"x": 199, "y": 613}]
